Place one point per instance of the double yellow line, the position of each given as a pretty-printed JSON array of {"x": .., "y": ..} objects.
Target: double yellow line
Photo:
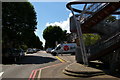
[{"x": 60, "y": 59}]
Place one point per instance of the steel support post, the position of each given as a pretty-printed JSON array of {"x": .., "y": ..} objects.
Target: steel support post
[{"x": 79, "y": 31}]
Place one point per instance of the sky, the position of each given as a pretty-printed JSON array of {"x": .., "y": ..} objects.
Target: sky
[{"x": 51, "y": 13}]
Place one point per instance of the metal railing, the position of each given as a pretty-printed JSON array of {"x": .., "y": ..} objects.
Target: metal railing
[
  {"x": 89, "y": 11},
  {"x": 93, "y": 8},
  {"x": 96, "y": 48}
]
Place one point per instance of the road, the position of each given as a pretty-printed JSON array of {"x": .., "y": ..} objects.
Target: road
[
  {"x": 40, "y": 66},
  {"x": 30, "y": 63}
]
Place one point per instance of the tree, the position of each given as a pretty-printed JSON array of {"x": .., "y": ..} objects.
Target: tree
[
  {"x": 52, "y": 34},
  {"x": 64, "y": 35},
  {"x": 90, "y": 39},
  {"x": 18, "y": 23},
  {"x": 35, "y": 42}
]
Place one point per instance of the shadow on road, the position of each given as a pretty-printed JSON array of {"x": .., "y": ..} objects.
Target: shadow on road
[{"x": 33, "y": 60}]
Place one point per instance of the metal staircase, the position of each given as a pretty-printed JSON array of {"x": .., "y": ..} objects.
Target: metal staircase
[
  {"x": 93, "y": 14},
  {"x": 86, "y": 20},
  {"x": 99, "y": 15},
  {"x": 104, "y": 47}
]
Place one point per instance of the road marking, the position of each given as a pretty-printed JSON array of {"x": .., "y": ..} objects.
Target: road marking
[
  {"x": 40, "y": 70},
  {"x": 49, "y": 66},
  {"x": 31, "y": 74},
  {"x": 34, "y": 74},
  {"x": 39, "y": 74},
  {"x": 1, "y": 74},
  {"x": 60, "y": 59}
]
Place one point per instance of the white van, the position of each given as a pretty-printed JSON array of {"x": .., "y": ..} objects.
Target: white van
[{"x": 64, "y": 48}]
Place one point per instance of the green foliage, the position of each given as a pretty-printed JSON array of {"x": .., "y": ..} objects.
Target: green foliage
[
  {"x": 90, "y": 39},
  {"x": 52, "y": 34},
  {"x": 65, "y": 35},
  {"x": 24, "y": 47},
  {"x": 18, "y": 24},
  {"x": 35, "y": 42}
]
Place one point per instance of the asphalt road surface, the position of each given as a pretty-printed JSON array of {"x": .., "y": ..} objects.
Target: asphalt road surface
[
  {"x": 40, "y": 66},
  {"x": 23, "y": 68}
]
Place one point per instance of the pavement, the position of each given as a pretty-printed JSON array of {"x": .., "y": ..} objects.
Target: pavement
[
  {"x": 80, "y": 70},
  {"x": 75, "y": 69}
]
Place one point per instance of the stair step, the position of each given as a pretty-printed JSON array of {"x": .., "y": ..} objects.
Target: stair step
[
  {"x": 79, "y": 70},
  {"x": 105, "y": 12},
  {"x": 99, "y": 17},
  {"x": 93, "y": 21},
  {"x": 82, "y": 74}
]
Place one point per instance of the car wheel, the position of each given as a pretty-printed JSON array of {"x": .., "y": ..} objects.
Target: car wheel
[
  {"x": 72, "y": 53},
  {"x": 54, "y": 54}
]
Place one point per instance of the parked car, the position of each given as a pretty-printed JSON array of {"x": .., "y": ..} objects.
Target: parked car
[
  {"x": 22, "y": 53},
  {"x": 48, "y": 50},
  {"x": 38, "y": 49},
  {"x": 34, "y": 50},
  {"x": 29, "y": 50},
  {"x": 10, "y": 54},
  {"x": 64, "y": 48}
]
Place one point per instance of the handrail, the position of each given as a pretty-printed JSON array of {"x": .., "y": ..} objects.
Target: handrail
[
  {"x": 91, "y": 10},
  {"x": 88, "y": 18},
  {"x": 104, "y": 44},
  {"x": 95, "y": 8},
  {"x": 79, "y": 11}
]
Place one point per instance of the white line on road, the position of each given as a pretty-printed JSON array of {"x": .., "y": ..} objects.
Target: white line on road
[
  {"x": 40, "y": 70},
  {"x": 1, "y": 73},
  {"x": 39, "y": 75}
]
